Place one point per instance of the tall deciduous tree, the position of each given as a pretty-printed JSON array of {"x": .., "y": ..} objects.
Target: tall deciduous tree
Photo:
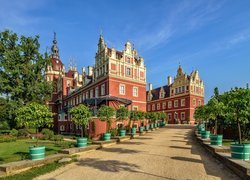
[
  {"x": 81, "y": 116},
  {"x": 22, "y": 69},
  {"x": 105, "y": 113}
]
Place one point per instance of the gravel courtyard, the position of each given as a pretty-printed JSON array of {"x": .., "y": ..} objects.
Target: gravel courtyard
[{"x": 167, "y": 153}]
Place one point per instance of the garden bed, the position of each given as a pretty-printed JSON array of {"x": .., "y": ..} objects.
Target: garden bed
[{"x": 19, "y": 150}]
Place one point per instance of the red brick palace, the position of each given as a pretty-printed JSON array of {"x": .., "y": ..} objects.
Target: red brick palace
[
  {"x": 118, "y": 78},
  {"x": 178, "y": 98}
]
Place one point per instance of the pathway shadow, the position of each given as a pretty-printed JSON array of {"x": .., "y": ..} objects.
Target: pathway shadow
[
  {"x": 131, "y": 143},
  {"x": 175, "y": 140},
  {"x": 115, "y": 166},
  {"x": 180, "y": 147},
  {"x": 120, "y": 150},
  {"x": 186, "y": 159},
  {"x": 143, "y": 138}
]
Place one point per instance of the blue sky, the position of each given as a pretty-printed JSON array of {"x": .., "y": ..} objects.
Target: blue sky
[{"x": 211, "y": 36}]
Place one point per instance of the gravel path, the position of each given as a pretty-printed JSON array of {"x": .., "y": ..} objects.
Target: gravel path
[{"x": 168, "y": 153}]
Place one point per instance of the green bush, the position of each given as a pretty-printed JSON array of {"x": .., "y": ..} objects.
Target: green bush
[
  {"x": 14, "y": 132},
  {"x": 4, "y": 125},
  {"x": 113, "y": 132},
  {"x": 58, "y": 138},
  {"x": 23, "y": 133},
  {"x": 47, "y": 134},
  {"x": 7, "y": 139}
]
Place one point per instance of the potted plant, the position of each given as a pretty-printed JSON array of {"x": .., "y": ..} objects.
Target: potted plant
[
  {"x": 81, "y": 116},
  {"x": 162, "y": 117},
  {"x": 216, "y": 110},
  {"x": 238, "y": 111},
  {"x": 121, "y": 115},
  {"x": 200, "y": 115},
  {"x": 105, "y": 113},
  {"x": 141, "y": 117},
  {"x": 134, "y": 116},
  {"x": 35, "y": 115},
  {"x": 147, "y": 116}
]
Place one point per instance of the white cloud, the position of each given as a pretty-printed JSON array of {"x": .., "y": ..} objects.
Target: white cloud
[{"x": 186, "y": 17}]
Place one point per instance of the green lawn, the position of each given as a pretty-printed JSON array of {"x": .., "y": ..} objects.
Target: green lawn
[
  {"x": 19, "y": 150},
  {"x": 227, "y": 142}
]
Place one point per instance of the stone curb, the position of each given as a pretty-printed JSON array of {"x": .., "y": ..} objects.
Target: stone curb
[{"x": 222, "y": 153}]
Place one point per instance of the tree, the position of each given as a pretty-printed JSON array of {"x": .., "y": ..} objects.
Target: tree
[
  {"x": 122, "y": 114},
  {"x": 105, "y": 113},
  {"x": 81, "y": 116},
  {"x": 162, "y": 116},
  {"x": 238, "y": 108},
  {"x": 200, "y": 113},
  {"x": 134, "y": 116},
  {"x": 22, "y": 70},
  {"x": 216, "y": 109},
  {"x": 34, "y": 115}
]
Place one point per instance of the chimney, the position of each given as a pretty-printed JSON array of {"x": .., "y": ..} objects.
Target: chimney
[
  {"x": 169, "y": 80},
  {"x": 150, "y": 86},
  {"x": 90, "y": 70},
  {"x": 83, "y": 71}
]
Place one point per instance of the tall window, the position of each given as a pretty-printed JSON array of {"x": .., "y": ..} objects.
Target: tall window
[
  {"x": 135, "y": 108},
  {"x": 91, "y": 93},
  {"x": 169, "y": 116},
  {"x": 183, "y": 88},
  {"x": 128, "y": 71},
  {"x": 153, "y": 107},
  {"x": 102, "y": 89},
  {"x": 122, "y": 89},
  {"x": 199, "y": 102},
  {"x": 87, "y": 95},
  {"x": 169, "y": 104},
  {"x": 135, "y": 91},
  {"x": 194, "y": 102},
  {"x": 176, "y": 103},
  {"x": 96, "y": 92},
  {"x": 183, "y": 102},
  {"x": 158, "y": 106},
  {"x": 80, "y": 98},
  {"x": 183, "y": 116},
  {"x": 175, "y": 115},
  {"x": 83, "y": 96},
  {"x": 164, "y": 105},
  {"x": 76, "y": 100}
]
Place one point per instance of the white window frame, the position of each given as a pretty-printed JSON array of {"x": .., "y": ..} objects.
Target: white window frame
[
  {"x": 102, "y": 89},
  {"x": 169, "y": 104},
  {"x": 183, "y": 102},
  {"x": 62, "y": 128},
  {"x": 176, "y": 103},
  {"x": 135, "y": 91},
  {"x": 194, "y": 102},
  {"x": 76, "y": 100},
  {"x": 122, "y": 89},
  {"x": 158, "y": 106},
  {"x": 128, "y": 71},
  {"x": 91, "y": 93},
  {"x": 153, "y": 107},
  {"x": 135, "y": 108},
  {"x": 97, "y": 92},
  {"x": 164, "y": 105}
]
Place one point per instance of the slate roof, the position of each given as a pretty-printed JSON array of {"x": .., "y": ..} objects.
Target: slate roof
[{"x": 156, "y": 92}]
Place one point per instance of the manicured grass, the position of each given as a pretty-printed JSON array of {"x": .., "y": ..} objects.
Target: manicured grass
[
  {"x": 19, "y": 150},
  {"x": 227, "y": 142},
  {"x": 35, "y": 172}
]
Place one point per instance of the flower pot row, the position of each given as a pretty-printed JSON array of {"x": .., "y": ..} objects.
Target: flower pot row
[{"x": 238, "y": 151}]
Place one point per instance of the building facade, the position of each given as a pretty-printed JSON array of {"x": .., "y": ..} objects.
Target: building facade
[
  {"x": 118, "y": 78},
  {"x": 178, "y": 99}
]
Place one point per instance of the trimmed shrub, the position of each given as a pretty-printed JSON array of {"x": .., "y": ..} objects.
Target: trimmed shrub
[
  {"x": 58, "y": 138},
  {"x": 14, "y": 132},
  {"x": 47, "y": 134},
  {"x": 23, "y": 133}
]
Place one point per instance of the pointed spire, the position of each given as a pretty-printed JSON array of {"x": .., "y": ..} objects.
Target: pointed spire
[
  {"x": 101, "y": 44},
  {"x": 54, "y": 48}
]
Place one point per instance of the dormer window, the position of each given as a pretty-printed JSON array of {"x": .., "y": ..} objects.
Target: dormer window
[{"x": 162, "y": 93}]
